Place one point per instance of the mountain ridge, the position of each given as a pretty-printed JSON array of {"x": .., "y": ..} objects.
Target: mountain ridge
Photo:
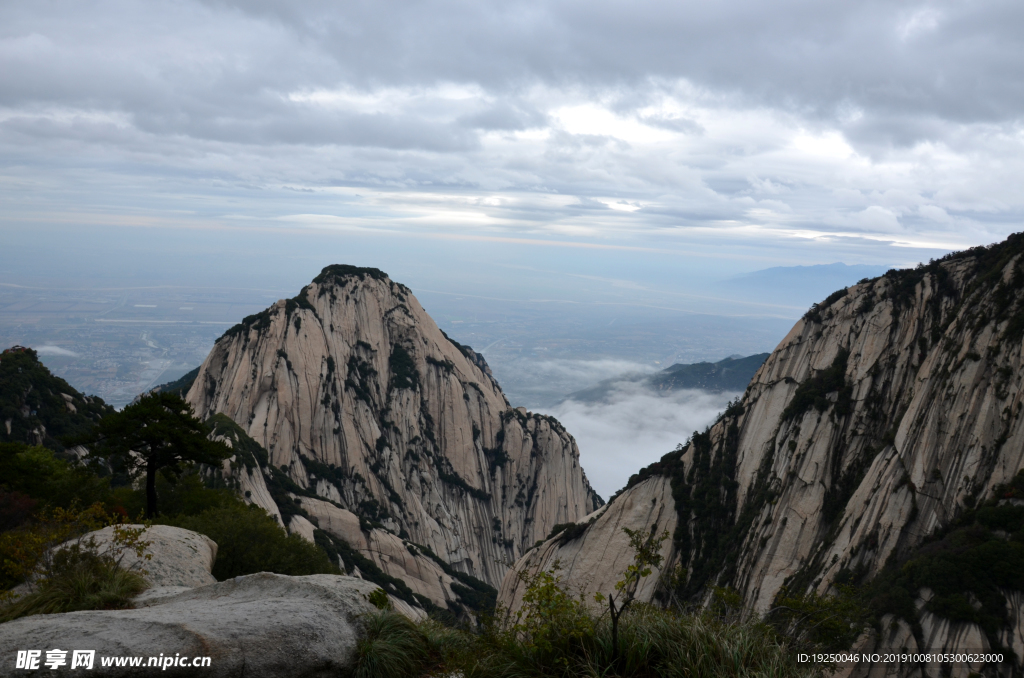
[
  {"x": 729, "y": 374},
  {"x": 358, "y": 397}
]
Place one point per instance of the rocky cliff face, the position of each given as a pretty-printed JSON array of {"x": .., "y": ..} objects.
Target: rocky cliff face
[
  {"x": 361, "y": 400},
  {"x": 596, "y": 556},
  {"x": 885, "y": 415}
]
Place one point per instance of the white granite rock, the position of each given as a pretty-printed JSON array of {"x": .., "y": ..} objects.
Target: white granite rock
[
  {"x": 180, "y": 557},
  {"x": 259, "y": 626},
  {"x": 476, "y": 481}
]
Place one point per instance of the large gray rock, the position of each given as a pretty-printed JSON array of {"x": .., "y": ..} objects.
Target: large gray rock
[
  {"x": 259, "y": 625},
  {"x": 180, "y": 557}
]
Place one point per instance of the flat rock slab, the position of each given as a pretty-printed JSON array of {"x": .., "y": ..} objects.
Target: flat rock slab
[{"x": 261, "y": 625}]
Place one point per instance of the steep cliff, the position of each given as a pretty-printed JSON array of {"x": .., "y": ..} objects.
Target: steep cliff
[
  {"x": 360, "y": 399},
  {"x": 886, "y": 414}
]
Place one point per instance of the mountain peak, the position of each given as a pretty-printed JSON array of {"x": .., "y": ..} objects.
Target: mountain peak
[
  {"x": 352, "y": 375},
  {"x": 339, "y": 272}
]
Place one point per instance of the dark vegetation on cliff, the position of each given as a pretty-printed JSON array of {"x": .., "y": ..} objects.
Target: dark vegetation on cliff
[
  {"x": 968, "y": 565},
  {"x": 38, "y": 408},
  {"x": 710, "y": 530}
]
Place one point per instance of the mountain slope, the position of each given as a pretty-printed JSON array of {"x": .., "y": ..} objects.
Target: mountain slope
[
  {"x": 731, "y": 374},
  {"x": 359, "y": 398},
  {"x": 38, "y": 408},
  {"x": 886, "y": 413}
]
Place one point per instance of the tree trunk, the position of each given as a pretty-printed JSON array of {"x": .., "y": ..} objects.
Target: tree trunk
[
  {"x": 615, "y": 632},
  {"x": 150, "y": 491}
]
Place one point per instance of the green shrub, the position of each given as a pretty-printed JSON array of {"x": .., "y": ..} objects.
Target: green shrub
[
  {"x": 379, "y": 599},
  {"x": 969, "y": 566},
  {"x": 190, "y": 496},
  {"x": 65, "y": 569},
  {"x": 813, "y": 391},
  {"x": 816, "y": 623},
  {"x": 25, "y": 552},
  {"x": 49, "y": 480},
  {"x": 391, "y": 646},
  {"x": 250, "y": 541},
  {"x": 653, "y": 643},
  {"x": 80, "y": 580},
  {"x": 403, "y": 369}
]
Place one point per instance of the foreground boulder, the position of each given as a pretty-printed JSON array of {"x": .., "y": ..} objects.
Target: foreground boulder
[
  {"x": 180, "y": 557},
  {"x": 259, "y": 625}
]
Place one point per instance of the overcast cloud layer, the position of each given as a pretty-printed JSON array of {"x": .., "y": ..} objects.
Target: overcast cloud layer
[{"x": 869, "y": 124}]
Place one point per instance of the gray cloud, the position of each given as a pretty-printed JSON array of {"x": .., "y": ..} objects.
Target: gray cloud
[
  {"x": 56, "y": 350},
  {"x": 890, "y": 122}
]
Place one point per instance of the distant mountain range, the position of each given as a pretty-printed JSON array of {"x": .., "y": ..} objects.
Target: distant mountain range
[{"x": 730, "y": 374}]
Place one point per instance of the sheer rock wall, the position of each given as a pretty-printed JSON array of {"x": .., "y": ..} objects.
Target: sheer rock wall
[{"x": 358, "y": 395}]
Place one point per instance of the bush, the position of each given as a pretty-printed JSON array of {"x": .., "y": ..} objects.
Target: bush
[
  {"x": 250, "y": 541},
  {"x": 816, "y": 623},
  {"x": 49, "y": 480},
  {"x": 391, "y": 646},
  {"x": 80, "y": 580},
  {"x": 969, "y": 567},
  {"x": 64, "y": 570},
  {"x": 813, "y": 391},
  {"x": 24, "y": 552},
  {"x": 556, "y": 633},
  {"x": 189, "y": 496},
  {"x": 653, "y": 644}
]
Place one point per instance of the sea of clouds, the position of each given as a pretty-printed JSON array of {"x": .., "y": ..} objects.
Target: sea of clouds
[{"x": 633, "y": 427}]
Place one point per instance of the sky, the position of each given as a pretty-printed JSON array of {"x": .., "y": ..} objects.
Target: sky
[
  {"x": 791, "y": 132},
  {"x": 546, "y": 164}
]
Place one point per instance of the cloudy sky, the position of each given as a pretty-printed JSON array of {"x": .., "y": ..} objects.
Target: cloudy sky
[{"x": 792, "y": 132}]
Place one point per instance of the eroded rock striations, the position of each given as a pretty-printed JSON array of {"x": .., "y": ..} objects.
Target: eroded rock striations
[
  {"x": 364, "y": 405},
  {"x": 885, "y": 415}
]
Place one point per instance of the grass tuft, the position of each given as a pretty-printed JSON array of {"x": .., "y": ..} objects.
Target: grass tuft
[
  {"x": 391, "y": 646},
  {"x": 654, "y": 643},
  {"x": 79, "y": 580}
]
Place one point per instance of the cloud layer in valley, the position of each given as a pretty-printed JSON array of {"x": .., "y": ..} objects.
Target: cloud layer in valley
[
  {"x": 56, "y": 351},
  {"x": 816, "y": 126},
  {"x": 634, "y": 427}
]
